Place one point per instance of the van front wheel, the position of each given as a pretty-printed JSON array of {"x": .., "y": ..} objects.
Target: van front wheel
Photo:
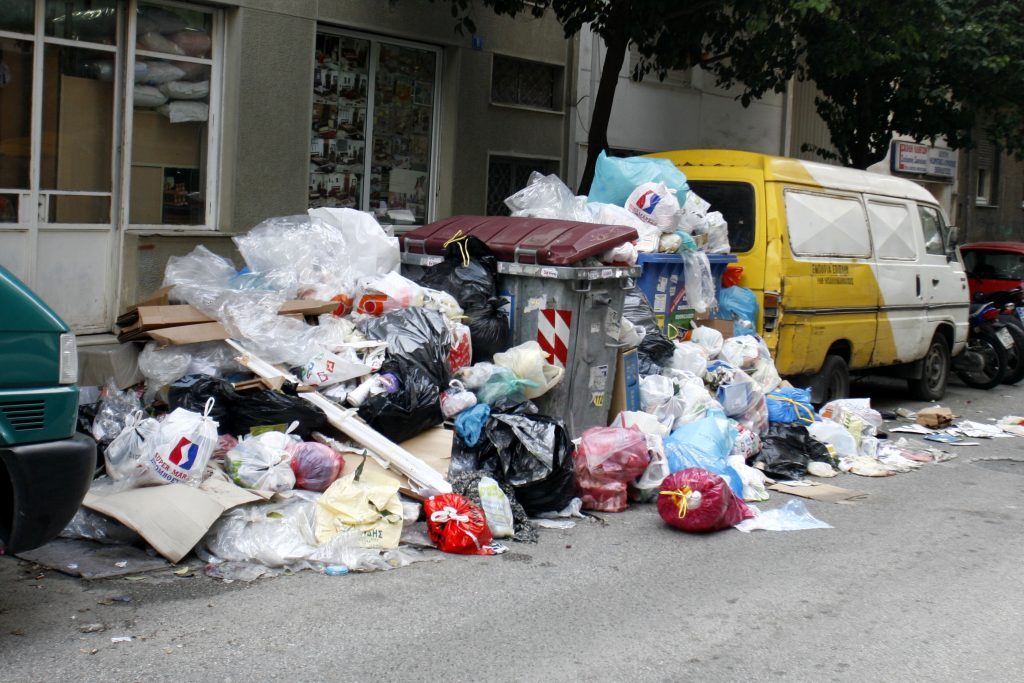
[
  {"x": 833, "y": 381},
  {"x": 934, "y": 373}
]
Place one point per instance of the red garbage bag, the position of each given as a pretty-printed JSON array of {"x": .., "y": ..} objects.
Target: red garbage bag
[
  {"x": 697, "y": 500},
  {"x": 606, "y": 460},
  {"x": 315, "y": 465},
  {"x": 457, "y": 526}
]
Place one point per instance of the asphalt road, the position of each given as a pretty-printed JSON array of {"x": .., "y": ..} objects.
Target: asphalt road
[{"x": 921, "y": 580}]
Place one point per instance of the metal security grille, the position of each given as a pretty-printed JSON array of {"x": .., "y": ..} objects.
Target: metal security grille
[
  {"x": 525, "y": 83},
  {"x": 508, "y": 175}
]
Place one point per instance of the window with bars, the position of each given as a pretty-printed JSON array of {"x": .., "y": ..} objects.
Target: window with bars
[
  {"x": 523, "y": 83},
  {"x": 508, "y": 175}
]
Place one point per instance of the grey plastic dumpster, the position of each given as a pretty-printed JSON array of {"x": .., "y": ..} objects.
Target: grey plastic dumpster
[{"x": 573, "y": 312}]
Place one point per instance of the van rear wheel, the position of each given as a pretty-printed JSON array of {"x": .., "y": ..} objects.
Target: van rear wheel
[
  {"x": 833, "y": 381},
  {"x": 931, "y": 386}
]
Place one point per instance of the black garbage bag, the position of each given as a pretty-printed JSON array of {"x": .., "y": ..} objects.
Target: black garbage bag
[
  {"x": 267, "y": 407},
  {"x": 786, "y": 450},
  {"x": 192, "y": 391},
  {"x": 414, "y": 408},
  {"x": 533, "y": 454},
  {"x": 655, "y": 349},
  {"x": 415, "y": 336},
  {"x": 469, "y": 273}
]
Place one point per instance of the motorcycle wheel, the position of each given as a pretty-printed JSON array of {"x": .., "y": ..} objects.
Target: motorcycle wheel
[
  {"x": 1015, "y": 356},
  {"x": 983, "y": 341}
]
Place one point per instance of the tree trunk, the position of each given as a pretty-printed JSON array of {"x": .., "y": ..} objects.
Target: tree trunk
[{"x": 597, "y": 138}]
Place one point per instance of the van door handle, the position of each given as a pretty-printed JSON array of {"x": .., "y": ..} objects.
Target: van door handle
[
  {"x": 918, "y": 278},
  {"x": 935, "y": 281}
]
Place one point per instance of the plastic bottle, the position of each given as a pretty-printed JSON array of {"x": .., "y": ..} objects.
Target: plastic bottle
[{"x": 336, "y": 570}]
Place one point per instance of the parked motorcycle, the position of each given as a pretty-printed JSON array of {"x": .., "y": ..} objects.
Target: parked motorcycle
[
  {"x": 1010, "y": 304},
  {"x": 984, "y": 364}
]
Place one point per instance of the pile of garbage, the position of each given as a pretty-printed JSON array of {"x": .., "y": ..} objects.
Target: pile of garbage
[{"x": 315, "y": 409}]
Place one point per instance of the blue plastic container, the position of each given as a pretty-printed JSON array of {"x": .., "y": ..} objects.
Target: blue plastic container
[{"x": 663, "y": 282}]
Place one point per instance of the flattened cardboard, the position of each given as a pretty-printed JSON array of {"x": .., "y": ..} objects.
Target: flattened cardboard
[
  {"x": 307, "y": 307},
  {"x": 433, "y": 447},
  {"x": 189, "y": 334},
  {"x": 173, "y": 517},
  {"x": 823, "y": 492},
  {"x": 150, "y": 317}
]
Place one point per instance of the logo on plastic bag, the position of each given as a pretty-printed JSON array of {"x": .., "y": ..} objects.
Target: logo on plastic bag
[
  {"x": 184, "y": 454},
  {"x": 648, "y": 201}
]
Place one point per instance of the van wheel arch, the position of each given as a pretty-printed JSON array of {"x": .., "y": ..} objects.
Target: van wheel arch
[{"x": 935, "y": 367}]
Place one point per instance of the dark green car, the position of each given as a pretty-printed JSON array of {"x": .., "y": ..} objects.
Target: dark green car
[{"x": 45, "y": 467}]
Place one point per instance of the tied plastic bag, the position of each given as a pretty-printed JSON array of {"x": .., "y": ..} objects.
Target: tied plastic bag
[
  {"x": 413, "y": 408},
  {"x": 184, "y": 446},
  {"x": 658, "y": 397},
  {"x": 364, "y": 501},
  {"x": 114, "y": 409},
  {"x": 787, "y": 449},
  {"x": 455, "y": 399},
  {"x": 766, "y": 374},
  {"x": 469, "y": 273},
  {"x": 470, "y": 423},
  {"x": 709, "y": 339},
  {"x": 690, "y": 357},
  {"x": 461, "y": 353},
  {"x": 694, "y": 213},
  {"x": 791, "y": 405},
  {"x": 529, "y": 362},
  {"x": 753, "y": 479},
  {"x": 654, "y": 348},
  {"x": 700, "y": 283},
  {"x": 457, "y": 526},
  {"x": 744, "y": 352},
  {"x": 747, "y": 443},
  {"x": 315, "y": 465},
  {"x": 615, "y": 178},
  {"x": 793, "y": 516},
  {"x": 739, "y": 304},
  {"x": 740, "y": 396},
  {"x": 718, "y": 234},
  {"x": 655, "y": 204},
  {"x": 497, "y": 508},
  {"x": 705, "y": 444},
  {"x": 125, "y": 456},
  {"x": 606, "y": 459},
  {"x": 503, "y": 386},
  {"x": 696, "y": 500},
  {"x": 415, "y": 336},
  {"x": 262, "y": 462}
]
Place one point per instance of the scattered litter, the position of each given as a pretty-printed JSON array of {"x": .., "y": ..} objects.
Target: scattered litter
[
  {"x": 977, "y": 430},
  {"x": 88, "y": 650},
  {"x": 950, "y": 439},
  {"x": 912, "y": 429},
  {"x": 815, "y": 491},
  {"x": 92, "y": 628},
  {"x": 793, "y": 516},
  {"x": 935, "y": 418},
  {"x": 122, "y": 639}
]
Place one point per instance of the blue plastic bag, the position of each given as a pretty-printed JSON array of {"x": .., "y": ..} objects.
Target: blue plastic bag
[
  {"x": 740, "y": 305},
  {"x": 470, "y": 422},
  {"x": 615, "y": 178},
  {"x": 791, "y": 405},
  {"x": 706, "y": 444}
]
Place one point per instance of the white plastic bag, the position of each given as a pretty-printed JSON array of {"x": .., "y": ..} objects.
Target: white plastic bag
[
  {"x": 753, "y": 479},
  {"x": 529, "y": 362},
  {"x": 658, "y": 397},
  {"x": 700, "y": 283},
  {"x": 624, "y": 253},
  {"x": 718, "y": 234},
  {"x": 655, "y": 204},
  {"x": 610, "y": 214},
  {"x": 645, "y": 422},
  {"x": 743, "y": 352},
  {"x": 629, "y": 334},
  {"x": 497, "y": 509},
  {"x": 262, "y": 462},
  {"x": 709, "y": 338},
  {"x": 456, "y": 399},
  {"x": 834, "y": 434},
  {"x": 184, "y": 446},
  {"x": 690, "y": 357},
  {"x": 148, "y": 96},
  {"x": 766, "y": 374},
  {"x": 126, "y": 454},
  {"x": 693, "y": 212}
]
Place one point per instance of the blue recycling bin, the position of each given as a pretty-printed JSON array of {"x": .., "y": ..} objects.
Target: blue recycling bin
[{"x": 663, "y": 282}]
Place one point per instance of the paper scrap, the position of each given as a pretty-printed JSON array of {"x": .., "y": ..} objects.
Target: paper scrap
[{"x": 823, "y": 492}]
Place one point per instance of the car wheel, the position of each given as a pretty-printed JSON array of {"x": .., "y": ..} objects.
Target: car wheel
[
  {"x": 931, "y": 386},
  {"x": 832, "y": 382}
]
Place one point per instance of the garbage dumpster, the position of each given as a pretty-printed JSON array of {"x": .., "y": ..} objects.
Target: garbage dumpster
[
  {"x": 572, "y": 311},
  {"x": 663, "y": 282}
]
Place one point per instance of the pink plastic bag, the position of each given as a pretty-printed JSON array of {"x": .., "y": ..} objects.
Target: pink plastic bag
[
  {"x": 697, "y": 500},
  {"x": 608, "y": 458},
  {"x": 315, "y": 465}
]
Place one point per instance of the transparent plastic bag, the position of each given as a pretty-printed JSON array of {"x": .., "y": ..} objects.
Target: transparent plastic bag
[
  {"x": 162, "y": 366},
  {"x": 316, "y": 466},
  {"x": 263, "y": 462},
  {"x": 125, "y": 457},
  {"x": 183, "y": 447},
  {"x": 700, "y": 283},
  {"x": 694, "y": 212},
  {"x": 606, "y": 459},
  {"x": 766, "y": 374},
  {"x": 388, "y": 292},
  {"x": 793, "y": 516},
  {"x": 741, "y": 397},
  {"x": 455, "y": 399},
  {"x": 739, "y": 304},
  {"x": 529, "y": 362},
  {"x": 114, "y": 409},
  {"x": 546, "y": 196},
  {"x": 198, "y": 277}
]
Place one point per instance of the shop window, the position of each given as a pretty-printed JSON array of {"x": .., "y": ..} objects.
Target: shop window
[
  {"x": 374, "y": 121},
  {"x": 523, "y": 83},
  {"x": 508, "y": 175},
  {"x": 174, "y": 86},
  {"x": 986, "y": 186}
]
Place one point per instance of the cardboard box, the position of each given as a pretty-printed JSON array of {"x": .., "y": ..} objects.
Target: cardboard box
[
  {"x": 723, "y": 326},
  {"x": 189, "y": 334},
  {"x": 935, "y": 418},
  {"x": 626, "y": 388}
]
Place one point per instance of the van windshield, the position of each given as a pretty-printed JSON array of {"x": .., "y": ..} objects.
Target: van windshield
[{"x": 735, "y": 201}]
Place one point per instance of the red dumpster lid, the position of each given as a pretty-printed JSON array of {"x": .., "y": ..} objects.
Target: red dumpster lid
[{"x": 524, "y": 240}]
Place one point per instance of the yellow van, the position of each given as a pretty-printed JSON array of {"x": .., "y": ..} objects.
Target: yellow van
[{"x": 853, "y": 271}]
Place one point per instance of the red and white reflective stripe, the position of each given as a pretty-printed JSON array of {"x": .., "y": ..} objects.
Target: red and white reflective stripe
[{"x": 553, "y": 334}]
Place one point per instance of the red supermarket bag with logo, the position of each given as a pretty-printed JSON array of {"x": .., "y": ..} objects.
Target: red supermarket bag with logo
[
  {"x": 696, "y": 500},
  {"x": 458, "y": 526}
]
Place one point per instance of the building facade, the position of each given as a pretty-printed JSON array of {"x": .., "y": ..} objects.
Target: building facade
[{"x": 134, "y": 130}]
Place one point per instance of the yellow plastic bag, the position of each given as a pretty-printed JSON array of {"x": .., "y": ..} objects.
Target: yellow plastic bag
[{"x": 369, "y": 504}]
